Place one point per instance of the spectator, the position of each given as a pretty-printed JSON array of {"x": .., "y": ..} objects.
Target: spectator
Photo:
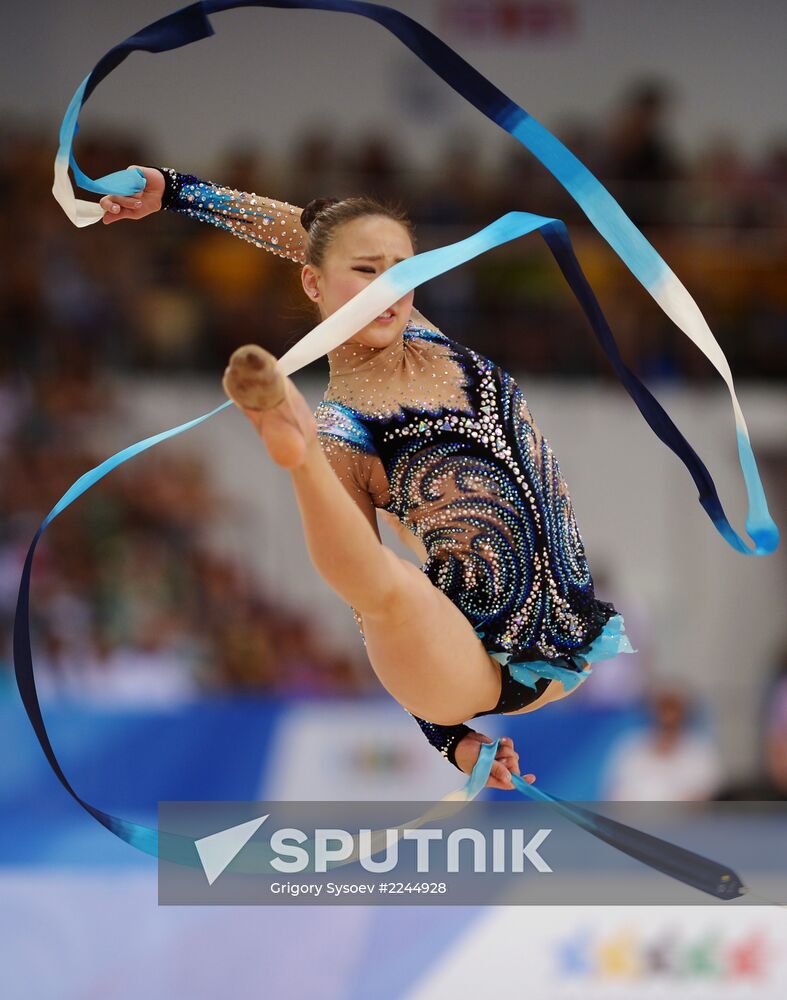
[
  {"x": 672, "y": 760},
  {"x": 641, "y": 160}
]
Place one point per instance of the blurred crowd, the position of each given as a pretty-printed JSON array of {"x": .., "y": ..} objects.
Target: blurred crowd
[
  {"x": 130, "y": 602},
  {"x": 130, "y": 599},
  {"x": 670, "y": 747},
  {"x": 171, "y": 293}
]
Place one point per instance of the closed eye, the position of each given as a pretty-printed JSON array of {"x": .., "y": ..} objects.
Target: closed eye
[{"x": 368, "y": 270}]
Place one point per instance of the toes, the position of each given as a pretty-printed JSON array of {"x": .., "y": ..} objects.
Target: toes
[
  {"x": 252, "y": 360},
  {"x": 250, "y": 356},
  {"x": 252, "y": 378}
]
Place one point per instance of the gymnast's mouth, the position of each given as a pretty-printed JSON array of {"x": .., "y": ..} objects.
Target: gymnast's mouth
[{"x": 389, "y": 314}]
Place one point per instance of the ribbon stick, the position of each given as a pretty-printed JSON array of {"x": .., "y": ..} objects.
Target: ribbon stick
[{"x": 679, "y": 863}]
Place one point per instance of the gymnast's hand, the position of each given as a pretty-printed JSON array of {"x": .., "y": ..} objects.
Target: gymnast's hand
[
  {"x": 135, "y": 206},
  {"x": 506, "y": 759}
]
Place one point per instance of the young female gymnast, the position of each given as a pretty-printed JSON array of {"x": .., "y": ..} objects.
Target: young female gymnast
[{"x": 501, "y": 617}]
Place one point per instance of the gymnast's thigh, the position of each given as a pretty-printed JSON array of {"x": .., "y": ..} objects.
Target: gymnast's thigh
[{"x": 426, "y": 653}]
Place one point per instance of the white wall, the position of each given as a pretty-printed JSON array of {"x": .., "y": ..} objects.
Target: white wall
[
  {"x": 719, "y": 615},
  {"x": 270, "y": 73}
]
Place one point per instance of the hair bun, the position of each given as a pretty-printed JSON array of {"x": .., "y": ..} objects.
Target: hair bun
[{"x": 313, "y": 209}]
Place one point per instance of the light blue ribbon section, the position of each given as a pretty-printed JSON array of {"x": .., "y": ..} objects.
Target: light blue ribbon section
[
  {"x": 595, "y": 201},
  {"x": 483, "y": 766},
  {"x": 91, "y": 477},
  {"x": 123, "y": 182},
  {"x": 414, "y": 271}
]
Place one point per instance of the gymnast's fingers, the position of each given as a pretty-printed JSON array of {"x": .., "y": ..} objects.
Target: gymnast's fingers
[
  {"x": 119, "y": 207},
  {"x": 115, "y": 213},
  {"x": 115, "y": 202},
  {"x": 110, "y": 206},
  {"x": 502, "y": 782},
  {"x": 127, "y": 201},
  {"x": 510, "y": 759},
  {"x": 507, "y": 755},
  {"x": 499, "y": 776},
  {"x": 506, "y": 752}
]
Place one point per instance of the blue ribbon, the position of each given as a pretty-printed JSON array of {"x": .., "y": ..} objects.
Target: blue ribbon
[
  {"x": 675, "y": 861},
  {"x": 191, "y": 24}
]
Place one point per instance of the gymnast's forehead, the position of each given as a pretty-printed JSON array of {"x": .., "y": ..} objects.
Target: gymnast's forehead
[{"x": 372, "y": 238}]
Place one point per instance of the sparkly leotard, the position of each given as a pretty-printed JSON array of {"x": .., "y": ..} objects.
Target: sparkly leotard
[{"x": 443, "y": 439}]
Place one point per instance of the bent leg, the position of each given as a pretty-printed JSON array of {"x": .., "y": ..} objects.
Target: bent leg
[{"x": 426, "y": 653}]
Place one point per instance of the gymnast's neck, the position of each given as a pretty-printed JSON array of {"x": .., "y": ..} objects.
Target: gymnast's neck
[{"x": 352, "y": 358}]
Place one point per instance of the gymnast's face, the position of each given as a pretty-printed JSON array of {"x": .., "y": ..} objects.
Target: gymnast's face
[{"x": 360, "y": 251}]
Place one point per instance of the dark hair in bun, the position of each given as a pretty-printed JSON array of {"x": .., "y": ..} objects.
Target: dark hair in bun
[
  {"x": 313, "y": 209},
  {"x": 323, "y": 216}
]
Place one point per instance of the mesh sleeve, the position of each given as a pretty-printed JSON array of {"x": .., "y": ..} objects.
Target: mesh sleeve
[
  {"x": 444, "y": 739},
  {"x": 264, "y": 222}
]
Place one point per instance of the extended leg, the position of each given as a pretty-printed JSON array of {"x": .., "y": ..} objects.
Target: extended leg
[
  {"x": 344, "y": 547},
  {"x": 422, "y": 648}
]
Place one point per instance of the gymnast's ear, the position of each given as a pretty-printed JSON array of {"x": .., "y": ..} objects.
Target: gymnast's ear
[{"x": 310, "y": 281}]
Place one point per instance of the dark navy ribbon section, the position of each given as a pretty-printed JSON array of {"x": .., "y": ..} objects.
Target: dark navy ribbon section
[
  {"x": 559, "y": 242},
  {"x": 679, "y": 863}
]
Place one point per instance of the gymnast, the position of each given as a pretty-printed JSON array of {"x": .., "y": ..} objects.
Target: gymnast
[{"x": 501, "y": 617}]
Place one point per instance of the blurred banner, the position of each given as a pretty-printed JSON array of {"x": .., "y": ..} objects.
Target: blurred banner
[{"x": 126, "y": 759}]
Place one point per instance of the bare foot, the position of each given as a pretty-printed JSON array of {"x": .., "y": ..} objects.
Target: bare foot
[{"x": 278, "y": 411}]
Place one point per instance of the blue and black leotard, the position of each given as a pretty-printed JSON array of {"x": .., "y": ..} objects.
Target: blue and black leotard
[{"x": 442, "y": 438}]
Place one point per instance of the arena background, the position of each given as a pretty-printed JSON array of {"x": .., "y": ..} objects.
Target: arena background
[{"x": 183, "y": 645}]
